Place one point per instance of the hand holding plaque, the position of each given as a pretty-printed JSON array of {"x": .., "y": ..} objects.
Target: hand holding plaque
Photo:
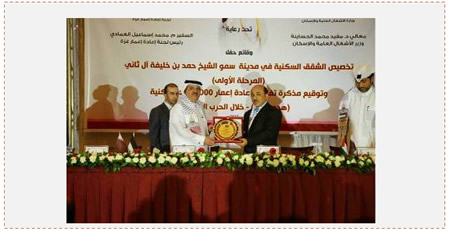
[{"x": 227, "y": 129}]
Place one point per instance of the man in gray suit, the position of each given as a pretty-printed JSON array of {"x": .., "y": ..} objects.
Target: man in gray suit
[{"x": 159, "y": 119}]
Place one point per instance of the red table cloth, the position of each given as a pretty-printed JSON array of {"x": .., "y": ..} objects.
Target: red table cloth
[{"x": 211, "y": 195}]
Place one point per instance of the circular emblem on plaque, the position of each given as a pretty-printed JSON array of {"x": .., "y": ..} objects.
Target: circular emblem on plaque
[{"x": 226, "y": 129}]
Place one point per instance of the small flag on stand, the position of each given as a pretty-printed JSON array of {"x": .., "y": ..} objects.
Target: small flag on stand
[
  {"x": 132, "y": 145},
  {"x": 120, "y": 144},
  {"x": 344, "y": 149}
]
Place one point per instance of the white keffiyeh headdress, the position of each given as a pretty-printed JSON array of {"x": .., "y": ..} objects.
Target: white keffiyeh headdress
[{"x": 187, "y": 105}]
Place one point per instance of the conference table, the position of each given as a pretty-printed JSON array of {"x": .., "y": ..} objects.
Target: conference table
[{"x": 217, "y": 195}]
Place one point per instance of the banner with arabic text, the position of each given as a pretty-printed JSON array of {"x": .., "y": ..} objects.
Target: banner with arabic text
[{"x": 306, "y": 63}]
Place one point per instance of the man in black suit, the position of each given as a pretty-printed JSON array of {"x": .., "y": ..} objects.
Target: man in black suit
[
  {"x": 158, "y": 122},
  {"x": 261, "y": 123}
]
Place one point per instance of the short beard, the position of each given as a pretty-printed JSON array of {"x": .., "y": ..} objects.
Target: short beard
[{"x": 363, "y": 90}]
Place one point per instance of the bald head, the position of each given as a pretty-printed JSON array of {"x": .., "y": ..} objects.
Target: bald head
[{"x": 259, "y": 95}]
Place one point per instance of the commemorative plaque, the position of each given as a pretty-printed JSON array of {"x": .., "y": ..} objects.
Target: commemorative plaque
[{"x": 227, "y": 129}]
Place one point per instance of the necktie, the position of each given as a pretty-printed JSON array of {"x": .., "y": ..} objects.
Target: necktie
[{"x": 253, "y": 114}]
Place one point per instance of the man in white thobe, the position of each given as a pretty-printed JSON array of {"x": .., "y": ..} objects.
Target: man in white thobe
[
  {"x": 358, "y": 105},
  {"x": 187, "y": 123}
]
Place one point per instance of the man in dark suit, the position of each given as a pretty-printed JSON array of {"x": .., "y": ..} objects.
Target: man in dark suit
[
  {"x": 158, "y": 122},
  {"x": 261, "y": 123}
]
